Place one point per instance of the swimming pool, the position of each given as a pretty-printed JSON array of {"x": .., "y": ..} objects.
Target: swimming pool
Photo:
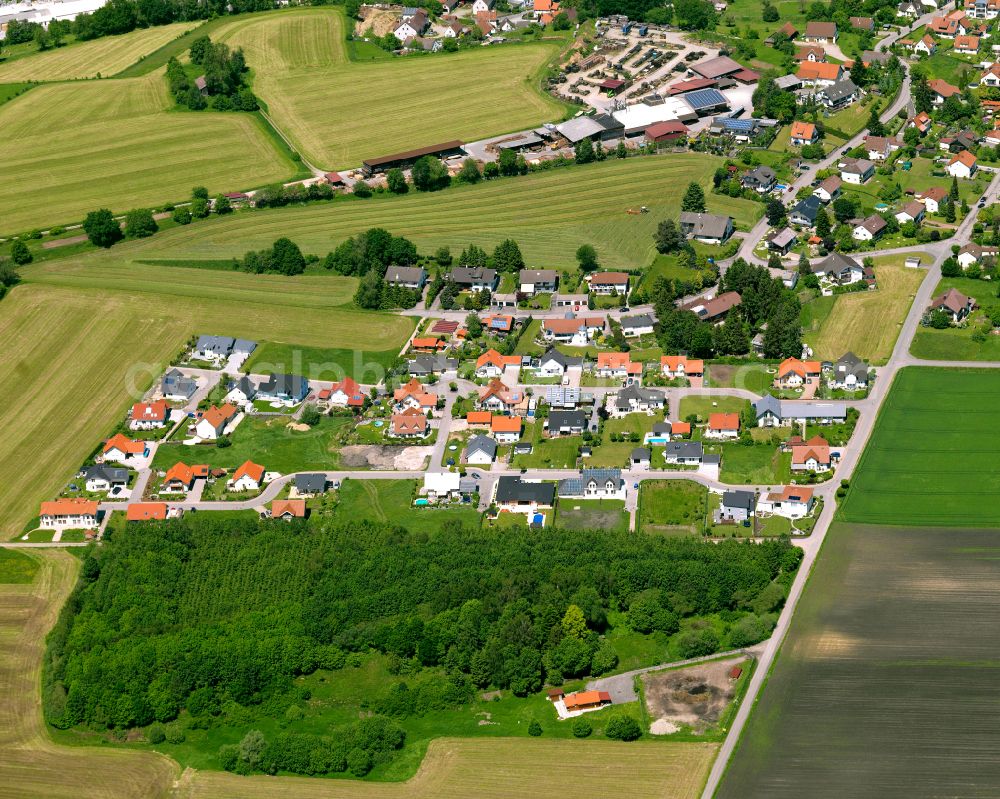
[{"x": 421, "y": 502}]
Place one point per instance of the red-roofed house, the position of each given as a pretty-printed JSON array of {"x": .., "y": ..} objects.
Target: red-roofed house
[
  {"x": 483, "y": 418},
  {"x": 146, "y": 512},
  {"x": 498, "y": 398},
  {"x": 576, "y": 331},
  {"x": 792, "y": 502},
  {"x": 506, "y": 429},
  {"x": 149, "y": 415},
  {"x": 414, "y": 395},
  {"x": 288, "y": 509},
  {"x": 674, "y": 366},
  {"x": 411, "y": 423},
  {"x": 586, "y": 700},
  {"x": 491, "y": 363},
  {"x": 345, "y": 394},
  {"x": 68, "y": 514},
  {"x": 248, "y": 477},
  {"x": 962, "y": 165},
  {"x": 813, "y": 456},
  {"x": 181, "y": 477},
  {"x": 803, "y": 133},
  {"x": 723, "y": 426},
  {"x": 616, "y": 364},
  {"x": 608, "y": 282},
  {"x": 213, "y": 422},
  {"x": 793, "y": 373},
  {"x": 942, "y": 90},
  {"x": 122, "y": 449}
]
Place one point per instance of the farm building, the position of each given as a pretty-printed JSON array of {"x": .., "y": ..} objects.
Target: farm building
[{"x": 371, "y": 166}]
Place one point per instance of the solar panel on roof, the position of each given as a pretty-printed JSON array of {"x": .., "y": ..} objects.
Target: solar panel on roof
[
  {"x": 738, "y": 124},
  {"x": 705, "y": 98}
]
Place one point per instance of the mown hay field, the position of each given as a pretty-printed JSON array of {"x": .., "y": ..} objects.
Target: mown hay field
[
  {"x": 886, "y": 684},
  {"x": 550, "y": 214},
  {"x": 77, "y": 356},
  {"x": 338, "y": 113},
  {"x": 867, "y": 323},
  {"x": 73, "y": 147},
  {"x": 105, "y": 56},
  {"x": 31, "y": 765},
  {"x": 931, "y": 459}
]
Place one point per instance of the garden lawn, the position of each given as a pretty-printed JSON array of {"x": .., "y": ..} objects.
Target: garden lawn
[
  {"x": 702, "y": 406},
  {"x": 755, "y": 464},
  {"x": 560, "y": 452},
  {"x": 956, "y": 343},
  {"x": 550, "y": 214},
  {"x": 617, "y": 453},
  {"x": 303, "y": 74},
  {"x": 866, "y": 323},
  {"x": 392, "y": 501},
  {"x": 672, "y": 507},
  {"x": 592, "y": 514},
  {"x": 752, "y": 376},
  {"x": 100, "y": 57},
  {"x": 118, "y": 145}
]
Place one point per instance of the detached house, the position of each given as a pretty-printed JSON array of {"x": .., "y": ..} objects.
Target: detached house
[
  {"x": 412, "y": 26},
  {"x": 962, "y": 165},
  {"x": 248, "y": 477},
  {"x": 737, "y": 506},
  {"x": 554, "y": 364},
  {"x": 506, "y": 429},
  {"x": 609, "y": 283},
  {"x": 410, "y": 423},
  {"x": 813, "y": 456},
  {"x": 991, "y": 77},
  {"x": 706, "y": 228},
  {"x": 481, "y": 450},
  {"x": 725, "y": 426},
  {"x": 819, "y": 73},
  {"x": 492, "y": 364},
  {"x": 805, "y": 211},
  {"x": 840, "y": 94},
  {"x": 829, "y": 189},
  {"x": 498, "y": 398},
  {"x": 811, "y": 53},
  {"x": 538, "y": 281},
  {"x": 803, "y": 133},
  {"x": 241, "y": 392},
  {"x": 840, "y": 269},
  {"x": 967, "y": 44},
  {"x": 121, "y": 449},
  {"x": 849, "y": 373},
  {"x": 772, "y": 412},
  {"x": 68, "y": 514},
  {"x": 942, "y": 90},
  {"x": 575, "y": 331},
  {"x": 913, "y": 211},
  {"x": 181, "y": 477},
  {"x": 955, "y": 304},
  {"x": 792, "y": 502},
  {"x": 566, "y": 423},
  {"x": 881, "y": 147},
  {"x": 932, "y": 198},
  {"x": 345, "y": 394},
  {"x": 636, "y": 399},
  {"x": 793, "y": 373},
  {"x": 856, "y": 171},
  {"x": 715, "y": 309},
  {"x": 822, "y": 32},
  {"x": 686, "y": 453},
  {"x": 680, "y": 366},
  {"x": 973, "y": 253},
  {"x": 105, "y": 479},
  {"x": 925, "y": 45},
  {"x": 617, "y": 364},
  {"x": 177, "y": 386},
  {"x": 283, "y": 389},
  {"x": 213, "y": 422},
  {"x": 594, "y": 484},
  {"x": 414, "y": 395},
  {"x": 514, "y": 494},
  {"x": 474, "y": 278},
  {"x": 761, "y": 179},
  {"x": 638, "y": 325},
  {"x": 407, "y": 277},
  {"x": 870, "y": 228},
  {"x": 149, "y": 415}
]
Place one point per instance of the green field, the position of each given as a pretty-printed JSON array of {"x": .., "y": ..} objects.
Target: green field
[
  {"x": 338, "y": 112},
  {"x": 672, "y": 507},
  {"x": 16, "y": 567},
  {"x": 882, "y": 685},
  {"x": 392, "y": 501},
  {"x": 703, "y": 406},
  {"x": 592, "y": 514},
  {"x": 116, "y": 144},
  {"x": 102, "y": 57},
  {"x": 929, "y": 459},
  {"x": 549, "y": 214},
  {"x": 956, "y": 343}
]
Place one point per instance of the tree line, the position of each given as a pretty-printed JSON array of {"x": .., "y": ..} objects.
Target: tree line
[{"x": 224, "y": 72}]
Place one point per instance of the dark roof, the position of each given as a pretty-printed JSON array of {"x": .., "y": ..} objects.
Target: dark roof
[
  {"x": 408, "y": 155},
  {"x": 746, "y": 500},
  {"x": 514, "y": 489},
  {"x": 835, "y": 262},
  {"x": 705, "y": 98},
  {"x": 481, "y": 443},
  {"x": 640, "y": 320},
  {"x": 291, "y": 385},
  {"x": 405, "y": 274},
  {"x": 470, "y": 275},
  {"x": 808, "y": 207},
  {"x": 839, "y": 90},
  {"x": 563, "y": 360},
  {"x": 640, "y": 454},
  {"x": 573, "y": 486},
  {"x": 109, "y": 473},
  {"x": 310, "y": 483},
  {"x": 685, "y": 449},
  {"x": 571, "y": 419}
]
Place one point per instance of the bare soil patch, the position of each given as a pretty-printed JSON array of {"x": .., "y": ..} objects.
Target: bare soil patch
[
  {"x": 378, "y": 20},
  {"x": 694, "y": 697},
  {"x": 385, "y": 458}
]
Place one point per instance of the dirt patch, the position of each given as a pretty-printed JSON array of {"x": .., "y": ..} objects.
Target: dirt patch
[
  {"x": 722, "y": 374},
  {"x": 694, "y": 697},
  {"x": 298, "y": 427},
  {"x": 590, "y": 519},
  {"x": 378, "y": 21},
  {"x": 385, "y": 458},
  {"x": 51, "y": 245}
]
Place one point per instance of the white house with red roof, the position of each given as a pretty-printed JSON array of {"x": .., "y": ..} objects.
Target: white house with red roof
[
  {"x": 149, "y": 415},
  {"x": 68, "y": 514},
  {"x": 248, "y": 477}
]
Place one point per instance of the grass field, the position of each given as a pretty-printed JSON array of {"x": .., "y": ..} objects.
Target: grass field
[
  {"x": 105, "y": 56},
  {"x": 119, "y": 147},
  {"x": 672, "y": 506},
  {"x": 79, "y": 352},
  {"x": 549, "y": 214},
  {"x": 956, "y": 343},
  {"x": 880, "y": 688},
  {"x": 703, "y": 406},
  {"x": 929, "y": 459},
  {"x": 303, "y": 74},
  {"x": 865, "y": 323},
  {"x": 592, "y": 514},
  {"x": 16, "y": 567}
]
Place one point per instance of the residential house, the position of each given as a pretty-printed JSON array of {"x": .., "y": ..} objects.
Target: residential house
[
  {"x": 414, "y": 395},
  {"x": 538, "y": 281},
  {"x": 680, "y": 366},
  {"x": 594, "y": 484},
  {"x": 181, "y": 477},
  {"x": 925, "y": 45},
  {"x": 772, "y": 412},
  {"x": 839, "y": 95},
  {"x": 856, "y": 170},
  {"x": 715, "y": 309},
  {"x": 499, "y": 324},
  {"x": 863, "y": 23},
  {"x": 881, "y": 147},
  {"x": 932, "y": 198},
  {"x": 407, "y": 277},
  {"x": 638, "y": 325},
  {"x": 149, "y": 415},
  {"x": 823, "y": 32},
  {"x": 68, "y": 514},
  {"x": 177, "y": 386},
  {"x": 498, "y": 398},
  {"x": 105, "y": 479},
  {"x": 492, "y": 364},
  {"x": 640, "y": 458},
  {"x": 942, "y": 90},
  {"x": 813, "y": 456},
  {"x": 810, "y": 53},
  {"x": 636, "y": 399},
  {"x": 566, "y": 423},
  {"x": 991, "y": 138},
  {"x": 288, "y": 509},
  {"x": 427, "y": 365},
  {"x": 212, "y": 423},
  {"x": 723, "y": 426},
  {"x": 870, "y": 228},
  {"x": 805, "y": 211},
  {"x": 575, "y": 331},
  {"x": 737, "y": 506},
  {"x": 991, "y": 77},
  {"x": 346, "y": 394},
  {"x": 792, "y": 502},
  {"x": 686, "y": 453},
  {"x": 849, "y": 373},
  {"x": 955, "y": 304},
  {"x": 982, "y": 9},
  {"x": 706, "y": 228},
  {"x": 819, "y": 73},
  {"x": 617, "y": 364},
  {"x": 412, "y": 27},
  {"x": 241, "y": 392},
  {"x": 146, "y": 512},
  {"x": 121, "y": 449},
  {"x": 909, "y": 9},
  {"x": 608, "y": 283},
  {"x": 213, "y": 348},
  {"x": 962, "y": 165},
  {"x": 946, "y": 27},
  {"x": 803, "y": 133},
  {"x": 793, "y": 373},
  {"x": 483, "y": 6},
  {"x": 912, "y": 211},
  {"x": 967, "y": 44},
  {"x": 575, "y": 301},
  {"x": 428, "y": 344},
  {"x": 481, "y": 450},
  {"x": 922, "y": 122},
  {"x": 554, "y": 364},
  {"x": 283, "y": 389},
  {"x": 506, "y": 429},
  {"x": 445, "y": 485},
  {"x": 248, "y": 477},
  {"x": 840, "y": 269},
  {"x": 829, "y": 189},
  {"x": 478, "y": 418},
  {"x": 659, "y": 435},
  {"x": 567, "y": 397},
  {"x": 973, "y": 253},
  {"x": 514, "y": 494},
  {"x": 310, "y": 485},
  {"x": 474, "y": 278},
  {"x": 761, "y": 179}
]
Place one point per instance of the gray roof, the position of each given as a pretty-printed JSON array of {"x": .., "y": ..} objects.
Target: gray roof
[
  {"x": 767, "y": 404},
  {"x": 310, "y": 483},
  {"x": 839, "y": 90},
  {"x": 799, "y": 409},
  {"x": 244, "y": 384},
  {"x": 221, "y": 345},
  {"x": 538, "y": 275},
  {"x": 711, "y": 459},
  {"x": 703, "y": 99},
  {"x": 851, "y": 364},
  {"x": 481, "y": 443},
  {"x": 685, "y": 449},
  {"x": 641, "y": 395},
  {"x": 109, "y": 473},
  {"x": 858, "y": 166},
  {"x": 466, "y": 485},
  {"x": 284, "y": 385},
  {"x": 639, "y": 320},
  {"x": 430, "y": 364},
  {"x": 835, "y": 262},
  {"x": 176, "y": 383},
  {"x": 514, "y": 489},
  {"x": 468, "y": 275},
  {"x": 761, "y": 176},
  {"x": 808, "y": 207},
  {"x": 710, "y": 225},
  {"x": 783, "y": 238},
  {"x": 580, "y": 128},
  {"x": 565, "y": 360},
  {"x": 573, "y": 486},
  {"x": 663, "y": 427},
  {"x": 786, "y": 82},
  {"x": 640, "y": 454},
  {"x": 745, "y": 500},
  {"x": 571, "y": 419},
  {"x": 244, "y": 345},
  {"x": 405, "y": 274}
]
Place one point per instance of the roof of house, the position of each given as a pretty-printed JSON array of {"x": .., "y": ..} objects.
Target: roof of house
[
  {"x": 635, "y": 392},
  {"x": 473, "y": 275},
  {"x": 310, "y": 483},
  {"x": 505, "y": 424},
  {"x": 716, "y": 306},
  {"x": 820, "y": 30},
  {"x": 511, "y": 488},
  {"x": 572, "y": 324},
  {"x": 953, "y": 299},
  {"x": 554, "y": 355},
  {"x": 571, "y": 419},
  {"x": 745, "y": 500},
  {"x": 150, "y": 411},
  {"x": 943, "y": 88},
  {"x": 219, "y": 416},
  {"x": 613, "y": 360},
  {"x": 146, "y": 511},
  {"x": 723, "y": 421},
  {"x": 783, "y": 238},
  {"x": 409, "y": 421},
  {"x": 964, "y": 157},
  {"x": 685, "y": 449},
  {"x": 763, "y": 175},
  {"x": 418, "y": 391},
  {"x": 75, "y": 506},
  {"x": 125, "y": 445},
  {"x": 857, "y": 166},
  {"x": 874, "y": 224},
  {"x": 497, "y": 388},
  {"x": 405, "y": 274},
  {"x": 803, "y": 130},
  {"x": 708, "y": 225},
  {"x": 912, "y": 209},
  {"x": 835, "y": 262},
  {"x": 288, "y": 507},
  {"x": 691, "y": 365},
  {"x": 113, "y": 474},
  {"x": 936, "y": 193},
  {"x": 804, "y": 452},
  {"x": 609, "y": 278},
  {"x": 183, "y": 473},
  {"x": 839, "y": 90},
  {"x": 285, "y": 384},
  {"x": 795, "y": 366},
  {"x": 814, "y": 50},
  {"x": 639, "y": 320},
  {"x": 966, "y": 42},
  {"x": 585, "y": 698},
  {"x": 249, "y": 469},
  {"x": 807, "y": 207},
  {"x": 479, "y": 417},
  {"x": 791, "y": 494},
  {"x": 716, "y": 67},
  {"x": 672, "y": 126},
  {"x": 538, "y": 275},
  {"x": 818, "y": 70}
]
